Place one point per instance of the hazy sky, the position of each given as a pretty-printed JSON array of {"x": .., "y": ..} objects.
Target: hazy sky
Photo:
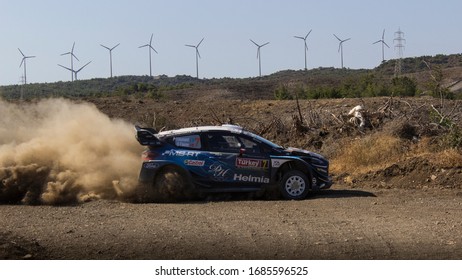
[{"x": 48, "y": 28}]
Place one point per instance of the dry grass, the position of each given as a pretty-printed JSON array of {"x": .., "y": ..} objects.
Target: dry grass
[
  {"x": 450, "y": 158},
  {"x": 380, "y": 150},
  {"x": 367, "y": 154}
]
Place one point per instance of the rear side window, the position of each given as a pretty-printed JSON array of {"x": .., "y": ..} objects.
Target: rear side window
[{"x": 188, "y": 141}]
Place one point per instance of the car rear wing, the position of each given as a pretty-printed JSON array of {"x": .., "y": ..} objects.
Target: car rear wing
[{"x": 146, "y": 136}]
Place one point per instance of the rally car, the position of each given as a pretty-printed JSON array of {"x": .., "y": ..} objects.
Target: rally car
[{"x": 225, "y": 158}]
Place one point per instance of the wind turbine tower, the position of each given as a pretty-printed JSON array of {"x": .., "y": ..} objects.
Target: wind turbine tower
[
  {"x": 110, "y": 54},
  {"x": 150, "y": 47},
  {"x": 259, "y": 54},
  {"x": 72, "y": 55},
  {"x": 340, "y": 47},
  {"x": 197, "y": 56},
  {"x": 399, "y": 48},
  {"x": 306, "y": 46},
  {"x": 383, "y": 45},
  {"x": 23, "y": 61}
]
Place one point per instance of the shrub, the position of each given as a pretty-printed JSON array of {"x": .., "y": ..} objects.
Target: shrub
[{"x": 282, "y": 93}]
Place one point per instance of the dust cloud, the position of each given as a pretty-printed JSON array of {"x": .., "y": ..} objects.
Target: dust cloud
[{"x": 59, "y": 152}]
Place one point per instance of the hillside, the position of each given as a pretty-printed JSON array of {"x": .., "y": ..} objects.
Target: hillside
[{"x": 314, "y": 83}]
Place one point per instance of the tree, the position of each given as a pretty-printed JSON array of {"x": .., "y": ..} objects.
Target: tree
[{"x": 403, "y": 86}]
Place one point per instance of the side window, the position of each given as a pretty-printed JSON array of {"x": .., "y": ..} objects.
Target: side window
[
  {"x": 229, "y": 143},
  {"x": 188, "y": 141},
  {"x": 250, "y": 146},
  {"x": 223, "y": 143}
]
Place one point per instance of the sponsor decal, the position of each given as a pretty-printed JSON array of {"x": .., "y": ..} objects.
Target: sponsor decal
[
  {"x": 251, "y": 163},
  {"x": 278, "y": 162},
  {"x": 150, "y": 165},
  {"x": 250, "y": 178},
  {"x": 193, "y": 162},
  {"x": 180, "y": 153},
  {"x": 218, "y": 170}
]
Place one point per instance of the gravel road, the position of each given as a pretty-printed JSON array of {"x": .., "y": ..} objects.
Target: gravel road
[{"x": 341, "y": 223}]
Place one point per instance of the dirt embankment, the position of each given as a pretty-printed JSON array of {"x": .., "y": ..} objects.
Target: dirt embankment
[{"x": 397, "y": 193}]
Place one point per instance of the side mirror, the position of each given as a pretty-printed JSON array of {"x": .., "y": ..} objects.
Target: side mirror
[{"x": 241, "y": 152}]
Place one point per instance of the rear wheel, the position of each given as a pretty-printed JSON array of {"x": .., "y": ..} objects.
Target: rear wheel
[
  {"x": 171, "y": 184},
  {"x": 294, "y": 185}
]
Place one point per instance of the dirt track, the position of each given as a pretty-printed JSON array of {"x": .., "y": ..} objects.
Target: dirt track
[{"x": 341, "y": 223}]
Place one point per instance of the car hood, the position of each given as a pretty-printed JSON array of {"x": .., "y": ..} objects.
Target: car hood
[{"x": 301, "y": 152}]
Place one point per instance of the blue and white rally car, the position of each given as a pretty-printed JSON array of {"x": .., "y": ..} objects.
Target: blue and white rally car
[{"x": 227, "y": 158}]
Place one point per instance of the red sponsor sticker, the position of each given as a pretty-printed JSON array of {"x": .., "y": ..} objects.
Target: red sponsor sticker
[
  {"x": 251, "y": 163},
  {"x": 193, "y": 162}
]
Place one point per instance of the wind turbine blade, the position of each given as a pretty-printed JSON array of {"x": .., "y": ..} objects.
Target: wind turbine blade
[
  {"x": 65, "y": 67},
  {"x": 308, "y": 34},
  {"x": 21, "y": 52},
  {"x": 75, "y": 56},
  {"x": 383, "y": 34},
  {"x": 264, "y": 44},
  {"x": 346, "y": 40},
  {"x": 104, "y": 47},
  {"x": 153, "y": 49},
  {"x": 385, "y": 44},
  {"x": 200, "y": 43},
  {"x": 198, "y": 54},
  {"x": 22, "y": 61},
  {"x": 65, "y": 53},
  {"x": 32, "y": 56},
  {"x": 191, "y": 46},
  {"x": 377, "y": 42},
  {"x": 254, "y": 43},
  {"x": 298, "y": 37},
  {"x": 339, "y": 46},
  {"x": 306, "y": 46},
  {"x": 150, "y": 41},
  {"x": 82, "y": 67},
  {"x": 115, "y": 46},
  {"x": 143, "y": 46},
  {"x": 337, "y": 38},
  {"x": 73, "y": 45}
]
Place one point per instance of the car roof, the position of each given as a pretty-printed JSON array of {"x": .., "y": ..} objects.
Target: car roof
[{"x": 198, "y": 129}]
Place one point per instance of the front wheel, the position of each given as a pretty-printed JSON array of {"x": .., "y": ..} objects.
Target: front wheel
[{"x": 294, "y": 185}]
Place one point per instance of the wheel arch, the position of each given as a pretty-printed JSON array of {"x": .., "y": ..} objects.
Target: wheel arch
[
  {"x": 295, "y": 165},
  {"x": 171, "y": 165}
]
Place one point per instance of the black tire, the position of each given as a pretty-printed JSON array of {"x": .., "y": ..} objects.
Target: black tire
[
  {"x": 294, "y": 185},
  {"x": 171, "y": 185}
]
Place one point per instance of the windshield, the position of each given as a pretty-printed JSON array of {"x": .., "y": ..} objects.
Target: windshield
[{"x": 263, "y": 140}]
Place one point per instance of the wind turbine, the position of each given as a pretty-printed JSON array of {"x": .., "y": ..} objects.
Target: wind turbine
[
  {"x": 258, "y": 54},
  {"x": 383, "y": 44},
  {"x": 306, "y": 46},
  {"x": 110, "y": 54},
  {"x": 23, "y": 61},
  {"x": 197, "y": 56},
  {"x": 72, "y": 55},
  {"x": 150, "y": 47},
  {"x": 340, "y": 47},
  {"x": 74, "y": 72}
]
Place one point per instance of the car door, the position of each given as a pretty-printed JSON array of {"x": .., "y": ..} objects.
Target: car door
[{"x": 236, "y": 160}]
